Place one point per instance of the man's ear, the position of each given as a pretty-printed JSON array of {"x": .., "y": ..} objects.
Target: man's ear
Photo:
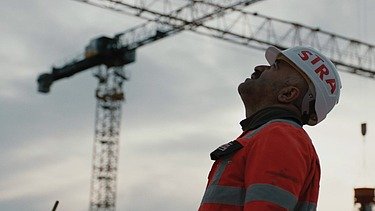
[{"x": 288, "y": 94}]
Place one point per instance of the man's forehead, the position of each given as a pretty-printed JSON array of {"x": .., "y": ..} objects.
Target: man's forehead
[
  {"x": 292, "y": 68},
  {"x": 281, "y": 58},
  {"x": 281, "y": 62}
]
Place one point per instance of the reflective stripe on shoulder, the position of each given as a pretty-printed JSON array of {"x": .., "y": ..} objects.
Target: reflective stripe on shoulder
[
  {"x": 272, "y": 194},
  {"x": 224, "y": 195},
  {"x": 252, "y": 133},
  {"x": 220, "y": 171},
  {"x": 286, "y": 121}
]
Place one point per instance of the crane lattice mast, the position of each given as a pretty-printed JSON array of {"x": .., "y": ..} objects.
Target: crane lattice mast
[{"x": 109, "y": 97}]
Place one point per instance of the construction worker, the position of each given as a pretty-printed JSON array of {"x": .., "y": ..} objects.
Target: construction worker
[{"x": 273, "y": 165}]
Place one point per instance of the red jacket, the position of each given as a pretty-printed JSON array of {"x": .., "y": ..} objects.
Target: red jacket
[{"x": 274, "y": 167}]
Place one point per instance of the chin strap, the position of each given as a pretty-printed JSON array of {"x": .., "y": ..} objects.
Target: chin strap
[{"x": 308, "y": 108}]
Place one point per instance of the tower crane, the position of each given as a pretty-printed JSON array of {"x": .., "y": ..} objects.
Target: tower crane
[
  {"x": 226, "y": 20},
  {"x": 114, "y": 53}
]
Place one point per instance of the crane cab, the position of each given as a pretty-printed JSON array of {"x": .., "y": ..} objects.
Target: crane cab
[
  {"x": 105, "y": 51},
  {"x": 98, "y": 46}
]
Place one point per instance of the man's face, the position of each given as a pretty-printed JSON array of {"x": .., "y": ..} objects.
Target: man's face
[{"x": 261, "y": 89}]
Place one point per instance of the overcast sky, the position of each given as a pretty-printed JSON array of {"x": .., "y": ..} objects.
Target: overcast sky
[{"x": 181, "y": 103}]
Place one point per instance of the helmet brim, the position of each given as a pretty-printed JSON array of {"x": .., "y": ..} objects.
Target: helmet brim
[{"x": 272, "y": 54}]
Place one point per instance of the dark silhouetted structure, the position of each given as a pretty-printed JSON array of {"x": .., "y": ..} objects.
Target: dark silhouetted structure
[{"x": 364, "y": 197}]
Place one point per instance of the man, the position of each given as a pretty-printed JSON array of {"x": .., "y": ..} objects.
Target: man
[{"x": 273, "y": 165}]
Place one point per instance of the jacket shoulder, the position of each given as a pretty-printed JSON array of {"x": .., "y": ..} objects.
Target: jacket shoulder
[{"x": 277, "y": 132}]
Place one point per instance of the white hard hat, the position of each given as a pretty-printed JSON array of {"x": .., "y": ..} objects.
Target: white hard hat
[{"x": 325, "y": 92}]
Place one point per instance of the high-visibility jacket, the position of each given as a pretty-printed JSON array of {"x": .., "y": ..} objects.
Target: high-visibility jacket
[{"x": 273, "y": 167}]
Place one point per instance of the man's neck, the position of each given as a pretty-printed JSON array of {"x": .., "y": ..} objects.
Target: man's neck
[
  {"x": 266, "y": 114},
  {"x": 250, "y": 111}
]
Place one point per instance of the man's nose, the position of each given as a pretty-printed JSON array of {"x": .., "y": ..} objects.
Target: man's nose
[{"x": 261, "y": 68}]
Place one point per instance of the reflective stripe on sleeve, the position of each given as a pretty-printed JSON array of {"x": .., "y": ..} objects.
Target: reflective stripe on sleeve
[
  {"x": 272, "y": 194},
  {"x": 224, "y": 195}
]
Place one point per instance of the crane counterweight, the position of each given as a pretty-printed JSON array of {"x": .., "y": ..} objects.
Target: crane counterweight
[{"x": 100, "y": 51}]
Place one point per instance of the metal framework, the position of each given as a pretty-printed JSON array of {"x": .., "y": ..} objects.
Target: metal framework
[
  {"x": 259, "y": 31},
  {"x": 109, "y": 95},
  {"x": 252, "y": 30},
  {"x": 223, "y": 19}
]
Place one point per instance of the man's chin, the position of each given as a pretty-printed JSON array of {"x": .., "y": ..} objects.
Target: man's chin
[
  {"x": 243, "y": 87},
  {"x": 240, "y": 88}
]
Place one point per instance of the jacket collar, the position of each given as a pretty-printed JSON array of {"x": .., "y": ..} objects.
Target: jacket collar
[{"x": 265, "y": 115}]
